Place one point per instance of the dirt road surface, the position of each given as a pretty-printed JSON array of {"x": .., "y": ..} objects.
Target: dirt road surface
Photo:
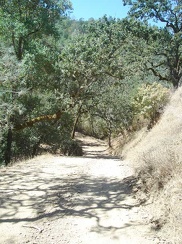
[{"x": 70, "y": 200}]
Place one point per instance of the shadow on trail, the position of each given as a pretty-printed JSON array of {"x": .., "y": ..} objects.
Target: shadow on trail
[
  {"x": 96, "y": 155},
  {"x": 95, "y": 149},
  {"x": 72, "y": 195}
]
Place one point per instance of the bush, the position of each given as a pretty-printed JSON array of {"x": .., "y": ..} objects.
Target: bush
[
  {"x": 71, "y": 148},
  {"x": 26, "y": 143},
  {"x": 149, "y": 102}
]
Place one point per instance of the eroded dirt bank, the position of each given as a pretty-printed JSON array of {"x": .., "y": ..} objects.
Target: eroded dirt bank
[{"x": 54, "y": 199}]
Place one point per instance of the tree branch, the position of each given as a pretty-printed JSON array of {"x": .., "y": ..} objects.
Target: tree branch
[
  {"x": 31, "y": 122},
  {"x": 158, "y": 74},
  {"x": 34, "y": 31}
]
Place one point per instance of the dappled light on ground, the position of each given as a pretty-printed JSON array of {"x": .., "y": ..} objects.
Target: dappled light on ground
[{"x": 52, "y": 199}]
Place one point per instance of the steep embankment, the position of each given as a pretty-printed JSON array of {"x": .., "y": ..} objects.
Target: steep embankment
[
  {"x": 53, "y": 199},
  {"x": 157, "y": 156}
]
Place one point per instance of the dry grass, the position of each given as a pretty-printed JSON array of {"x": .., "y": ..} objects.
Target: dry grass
[{"x": 157, "y": 156}]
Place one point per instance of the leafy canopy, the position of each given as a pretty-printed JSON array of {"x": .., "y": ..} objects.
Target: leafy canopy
[
  {"x": 166, "y": 11},
  {"x": 21, "y": 21},
  {"x": 168, "y": 49}
]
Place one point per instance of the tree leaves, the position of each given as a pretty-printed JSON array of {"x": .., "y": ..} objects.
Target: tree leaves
[
  {"x": 169, "y": 44},
  {"x": 22, "y": 20}
]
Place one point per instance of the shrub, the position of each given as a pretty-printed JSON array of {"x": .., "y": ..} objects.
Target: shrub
[
  {"x": 26, "y": 143},
  {"x": 149, "y": 102},
  {"x": 71, "y": 148}
]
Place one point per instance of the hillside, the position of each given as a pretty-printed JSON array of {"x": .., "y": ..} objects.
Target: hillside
[{"x": 157, "y": 157}]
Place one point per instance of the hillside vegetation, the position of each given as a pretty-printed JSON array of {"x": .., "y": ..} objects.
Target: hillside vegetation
[{"x": 157, "y": 157}]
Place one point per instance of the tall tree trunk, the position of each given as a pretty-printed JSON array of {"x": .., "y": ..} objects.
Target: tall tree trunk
[
  {"x": 18, "y": 46},
  {"x": 7, "y": 154},
  {"x": 109, "y": 135},
  {"x": 76, "y": 122}
]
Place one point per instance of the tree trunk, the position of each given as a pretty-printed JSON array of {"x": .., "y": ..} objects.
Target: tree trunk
[
  {"x": 109, "y": 137},
  {"x": 75, "y": 123},
  {"x": 7, "y": 154},
  {"x": 20, "y": 49},
  {"x": 18, "y": 46}
]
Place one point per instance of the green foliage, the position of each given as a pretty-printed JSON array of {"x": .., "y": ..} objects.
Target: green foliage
[
  {"x": 93, "y": 65},
  {"x": 71, "y": 148},
  {"x": 21, "y": 21},
  {"x": 167, "y": 11},
  {"x": 27, "y": 143},
  {"x": 167, "y": 53},
  {"x": 149, "y": 100},
  {"x": 111, "y": 110},
  {"x": 55, "y": 73},
  {"x": 93, "y": 126},
  {"x": 29, "y": 89},
  {"x": 114, "y": 106}
]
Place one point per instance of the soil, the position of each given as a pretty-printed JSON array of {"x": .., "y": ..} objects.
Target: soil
[{"x": 53, "y": 199}]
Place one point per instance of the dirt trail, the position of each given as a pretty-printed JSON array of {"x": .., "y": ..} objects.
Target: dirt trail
[{"x": 53, "y": 199}]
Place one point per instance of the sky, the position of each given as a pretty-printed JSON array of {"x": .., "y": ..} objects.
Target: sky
[
  {"x": 98, "y": 8},
  {"x": 85, "y": 9}
]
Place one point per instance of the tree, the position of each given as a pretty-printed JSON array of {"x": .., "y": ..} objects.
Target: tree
[
  {"x": 167, "y": 11},
  {"x": 21, "y": 21},
  {"x": 168, "y": 51},
  {"x": 113, "y": 107},
  {"x": 31, "y": 109},
  {"x": 93, "y": 65},
  {"x": 88, "y": 60},
  {"x": 29, "y": 76},
  {"x": 90, "y": 69}
]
